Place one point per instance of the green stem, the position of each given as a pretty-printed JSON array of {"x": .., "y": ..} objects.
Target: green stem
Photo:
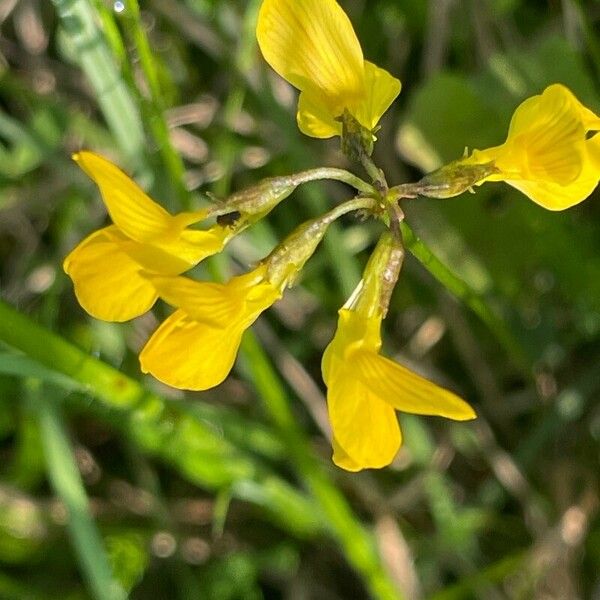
[
  {"x": 374, "y": 172},
  {"x": 79, "y": 22},
  {"x": 334, "y": 174},
  {"x": 359, "y": 203},
  {"x": 156, "y": 104},
  {"x": 468, "y": 296}
]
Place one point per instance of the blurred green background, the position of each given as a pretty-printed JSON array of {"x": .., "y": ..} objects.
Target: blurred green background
[{"x": 113, "y": 486}]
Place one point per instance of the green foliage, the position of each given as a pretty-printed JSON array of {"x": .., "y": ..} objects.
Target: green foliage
[{"x": 113, "y": 486}]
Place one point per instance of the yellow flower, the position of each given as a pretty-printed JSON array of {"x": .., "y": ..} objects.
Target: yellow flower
[
  {"x": 364, "y": 389},
  {"x": 312, "y": 45},
  {"x": 106, "y": 266},
  {"x": 195, "y": 348},
  {"x": 550, "y": 153}
]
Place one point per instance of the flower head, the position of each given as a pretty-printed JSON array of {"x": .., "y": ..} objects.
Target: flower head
[
  {"x": 551, "y": 153},
  {"x": 312, "y": 45},
  {"x": 364, "y": 389},
  {"x": 110, "y": 267},
  {"x": 106, "y": 266}
]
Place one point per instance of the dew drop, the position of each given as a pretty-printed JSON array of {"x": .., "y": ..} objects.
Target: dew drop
[{"x": 119, "y": 6}]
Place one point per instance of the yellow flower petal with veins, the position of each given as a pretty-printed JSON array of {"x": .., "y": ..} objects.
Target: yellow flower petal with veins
[
  {"x": 196, "y": 346},
  {"x": 129, "y": 207},
  {"x": 364, "y": 389},
  {"x": 106, "y": 266},
  {"x": 312, "y": 45},
  {"x": 547, "y": 154}
]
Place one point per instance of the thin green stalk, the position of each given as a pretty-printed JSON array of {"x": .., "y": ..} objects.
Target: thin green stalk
[
  {"x": 67, "y": 484},
  {"x": 89, "y": 47},
  {"x": 336, "y": 175},
  {"x": 155, "y": 104},
  {"x": 468, "y": 296}
]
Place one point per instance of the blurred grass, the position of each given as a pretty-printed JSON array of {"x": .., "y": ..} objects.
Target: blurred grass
[{"x": 230, "y": 493}]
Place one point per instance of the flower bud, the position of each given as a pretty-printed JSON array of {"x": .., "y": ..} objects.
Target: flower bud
[
  {"x": 454, "y": 179},
  {"x": 290, "y": 256},
  {"x": 250, "y": 205},
  {"x": 373, "y": 294}
]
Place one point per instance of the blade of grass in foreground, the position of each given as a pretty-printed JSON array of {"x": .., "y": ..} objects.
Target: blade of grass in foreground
[
  {"x": 206, "y": 458},
  {"x": 180, "y": 437},
  {"x": 79, "y": 22},
  {"x": 155, "y": 104},
  {"x": 67, "y": 484}
]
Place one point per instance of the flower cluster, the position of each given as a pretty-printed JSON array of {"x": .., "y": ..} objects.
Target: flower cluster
[{"x": 551, "y": 154}]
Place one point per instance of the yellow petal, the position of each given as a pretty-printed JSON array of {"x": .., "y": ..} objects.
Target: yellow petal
[
  {"x": 195, "y": 348},
  {"x": 354, "y": 331},
  {"x": 405, "y": 390},
  {"x": 342, "y": 460},
  {"x": 241, "y": 299},
  {"x": 311, "y": 44},
  {"x": 135, "y": 213},
  {"x": 190, "y": 246},
  {"x": 107, "y": 281},
  {"x": 365, "y": 428},
  {"x": 190, "y": 355},
  {"x": 314, "y": 117},
  {"x": 593, "y": 149},
  {"x": 206, "y": 302},
  {"x": 381, "y": 90},
  {"x": 589, "y": 119},
  {"x": 545, "y": 139},
  {"x": 554, "y": 196}
]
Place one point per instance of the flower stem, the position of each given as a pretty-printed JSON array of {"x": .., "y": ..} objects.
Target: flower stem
[
  {"x": 374, "y": 172},
  {"x": 335, "y": 174},
  {"x": 473, "y": 300},
  {"x": 155, "y": 105}
]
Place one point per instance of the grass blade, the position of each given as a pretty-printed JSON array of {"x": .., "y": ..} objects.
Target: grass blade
[{"x": 68, "y": 486}]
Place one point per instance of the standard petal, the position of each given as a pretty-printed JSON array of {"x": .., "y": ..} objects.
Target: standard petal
[
  {"x": 132, "y": 210},
  {"x": 381, "y": 90},
  {"x": 190, "y": 355},
  {"x": 312, "y": 43},
  {"x": 591, "y": 122},
  {"x": 405, "y": 390},
  {"x": 107, "y": 280},
  {"x": 365, "y": 427}
]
